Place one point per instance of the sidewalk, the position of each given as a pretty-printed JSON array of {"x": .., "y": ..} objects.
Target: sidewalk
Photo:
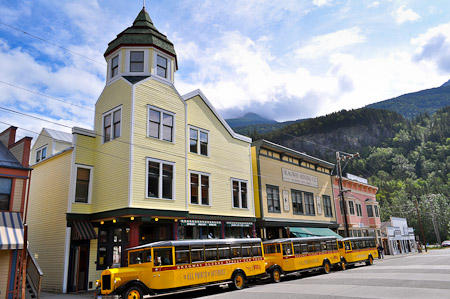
[
  {"x": 89, "y": 294},
  {"x": 389, "y": 257}
]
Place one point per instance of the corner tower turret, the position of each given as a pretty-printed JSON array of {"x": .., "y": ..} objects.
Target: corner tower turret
[{"x": 141, "y": 50}]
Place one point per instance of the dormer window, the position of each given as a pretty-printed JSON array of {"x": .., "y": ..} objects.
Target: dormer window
[
  {"x": 41, "y": 154},
  {"x": 161, "y": 66},
  {"x": 115, "y": 66},
  {"x": 137, "y": 61}
]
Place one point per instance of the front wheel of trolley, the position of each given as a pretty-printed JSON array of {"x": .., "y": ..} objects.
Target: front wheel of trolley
[
  {"x": 132, "y": 293},
  {"x": 369, "y": 261},
  {"x": 326, "y": 267},
  {"x": 275, "y": 275},
  {"x": 238, "y": 281}
]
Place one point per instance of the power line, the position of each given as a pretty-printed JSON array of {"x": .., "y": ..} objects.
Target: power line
[{"x": 51, "y": 43}]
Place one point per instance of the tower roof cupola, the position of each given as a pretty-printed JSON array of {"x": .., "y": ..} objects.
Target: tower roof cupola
[{"x": 142, "y": 33}]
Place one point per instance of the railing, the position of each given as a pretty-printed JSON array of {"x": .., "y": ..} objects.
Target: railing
[{"x": 34, "y": 274}]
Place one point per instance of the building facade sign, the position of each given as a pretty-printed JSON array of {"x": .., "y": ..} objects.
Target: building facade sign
[{"x": 299, "y": 178}]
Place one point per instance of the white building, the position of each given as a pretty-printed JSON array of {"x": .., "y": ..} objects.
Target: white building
[{"x": 398, "y": 238}]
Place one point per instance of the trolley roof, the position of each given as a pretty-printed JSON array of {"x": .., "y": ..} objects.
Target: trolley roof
[
  {"x": 357, "y": 239},
  {"x": 284, "y": 240},
  {"x": 196, "y": 242}
]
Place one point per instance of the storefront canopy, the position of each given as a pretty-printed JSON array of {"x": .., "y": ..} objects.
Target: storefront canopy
[
  {"x": 11, "y": 231},
  {"x": 313, "y": 232},
  {"x": 83, "y": 230}
]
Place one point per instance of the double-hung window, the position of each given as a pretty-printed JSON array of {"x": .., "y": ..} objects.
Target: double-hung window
[
  {"x": 112, "y": 124},
  {"x": 369, "y": 211},
  {"x": 160, "y": 179},
  {"x": 200, "y": 188},
  {"x": 358, "y": 210},
  {"x": 161, "y": 124},
  {"x": 377, "y": 213},
  {"x": 114, "y": 66},
  {"x": 351, "y": 207},
  {"x": 273, "y": 199},
  {"x": 161, "y": 66},
  {"x": 239, "y": 194},
  {"x": 41, "y": 154},
  {"x": 198, "y": 141},
  {"x": 82, "y": 187},
  {"x": 327, "y": 206},
  {"x": 137, "y": 61},
  {"x": 309, "y": 203},
  {"x": 297, "y": 202},
  {"x": 5, "y": 193}
]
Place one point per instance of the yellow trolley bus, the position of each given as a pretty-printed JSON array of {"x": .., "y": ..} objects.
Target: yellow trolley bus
[
  {"x": 356, "y": 250},
  {"x": 169, "y": 266},
  {"x": 294, "y": 255}
]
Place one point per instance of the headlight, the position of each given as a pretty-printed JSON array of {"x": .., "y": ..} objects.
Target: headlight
[
  {"x": 117, "y": 280},
  {"x": 98, "y": 283}
]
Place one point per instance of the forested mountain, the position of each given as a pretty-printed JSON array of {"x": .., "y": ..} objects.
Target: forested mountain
[
  {"x": 252, "y": 123},
  {"x": 409, "y": 160},
  {"x": 412, "y": 104}
]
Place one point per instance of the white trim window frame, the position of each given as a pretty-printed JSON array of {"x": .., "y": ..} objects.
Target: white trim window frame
[
  {"x": 112, "y": 124},
  {"x": 376, "y": 211},
  {"x": 159, "y": 174},
  {"x": 358, "y": 209},
  {"x": 158, "y": 65},
  {"x": 327, "y": 205},
  {"x": 113, "y": 68},
  {"x": 201, "y": 185},
  {"x": 201, "y": 140},
  {"x": 160, "y": 121},
  {"x": 240, "y": 188},
  {"x": 41, "y": 153},
  {"x": 89, "y": 181},
  {"x": 129, "y": 60}
]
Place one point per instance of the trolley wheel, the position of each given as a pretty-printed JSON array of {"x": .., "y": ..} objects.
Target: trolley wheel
[
  {"x": 275, "y": 275},
  {"x": 343, "y": 265},
  {"x": 133, "y": 292},
  {"x": 238, "y": 282},
  {"x": 369, "y": 261},
  {"x": 326, "y": 267}
]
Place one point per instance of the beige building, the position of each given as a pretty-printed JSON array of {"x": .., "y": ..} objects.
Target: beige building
[{"x": 293, "y": 193}]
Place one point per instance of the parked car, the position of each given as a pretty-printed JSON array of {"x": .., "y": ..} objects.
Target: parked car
[{"x": 446, "y": 243}]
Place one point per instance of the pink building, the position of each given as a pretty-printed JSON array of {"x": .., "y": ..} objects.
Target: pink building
[{"x": 363, "y": 211}]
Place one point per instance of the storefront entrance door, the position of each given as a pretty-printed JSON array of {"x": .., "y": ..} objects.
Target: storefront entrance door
[{"x": 78, "y": 266}]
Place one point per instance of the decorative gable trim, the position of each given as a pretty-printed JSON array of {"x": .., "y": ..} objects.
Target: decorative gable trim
[{"x": 199, "y": 93}]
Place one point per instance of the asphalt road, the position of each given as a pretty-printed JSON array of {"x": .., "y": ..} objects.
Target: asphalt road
[{"x": 425, "y": 275}]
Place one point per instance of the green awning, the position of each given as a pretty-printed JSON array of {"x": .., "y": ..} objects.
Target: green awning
[{"x": 313, "y": 232}]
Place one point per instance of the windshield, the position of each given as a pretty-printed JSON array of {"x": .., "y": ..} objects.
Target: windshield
[{"x": 141, "y": 256}]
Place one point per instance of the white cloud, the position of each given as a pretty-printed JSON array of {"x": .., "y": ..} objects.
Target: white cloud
[
  {"x": 322, "y": 2},
  {"x": 434, "y": 46},
  {"x": 374, "y": 4},
  {"x": 403, "y": 15},
  {"x": 326, "y": 44}
]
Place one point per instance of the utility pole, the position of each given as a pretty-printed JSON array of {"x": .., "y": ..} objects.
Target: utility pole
[
  {"x": 420, "y": 225},
  {"x": 341, "y": 188}
]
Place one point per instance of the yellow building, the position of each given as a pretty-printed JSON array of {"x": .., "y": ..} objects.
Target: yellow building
[
  {"x": 293, "y": 193},
  {"x": 156, "y": 167}
]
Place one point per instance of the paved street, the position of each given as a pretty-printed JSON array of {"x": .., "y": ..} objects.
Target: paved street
[{"x": 424, "y": 275}]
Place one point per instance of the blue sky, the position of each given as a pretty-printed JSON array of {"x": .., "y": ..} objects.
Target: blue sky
[{"x": 284, "y": 60}]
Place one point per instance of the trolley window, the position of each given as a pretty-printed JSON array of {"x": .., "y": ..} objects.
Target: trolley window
[
  {"x": 256, "y": 248},
  {"x": 297, "y": 248},
  {"x": 270, "y": 248},
  {"x": 182, "y": 255},
  {"x": 235, "y": 251},
  {"x": 197, "y": 254},
  {"x": 163, "y": 256},
  {"x": 287, "y": 248},
  {"x": 210, "y": 252},
  {"x": 224, "y": 251},
  {"x": 246, "y": 250}
]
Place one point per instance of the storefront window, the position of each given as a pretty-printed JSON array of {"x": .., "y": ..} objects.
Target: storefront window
[{"x": 111, "y": 244}]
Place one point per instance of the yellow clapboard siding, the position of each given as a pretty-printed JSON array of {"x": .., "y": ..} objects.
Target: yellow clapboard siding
[
  {"x": 228, "y": 158},
  {"x": 256, "y": 187},
  {"x": 164, "y": 97},
  {"x": 18, "y": 189},
  {"x": 5, "y": 257},
  {"x": 85, "y": 149},
  {"x": 47, "y": 210},
  {"x": 270, "y": 170},
  {"x": 111, "y": 158}
]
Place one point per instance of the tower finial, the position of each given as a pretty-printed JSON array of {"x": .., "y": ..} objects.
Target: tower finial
[{"x": 143, "y": 3}]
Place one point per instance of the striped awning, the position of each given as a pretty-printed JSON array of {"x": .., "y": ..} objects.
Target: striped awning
[
  {"x": 83, "y": 230},
  {"x": 11, "y": 231}
]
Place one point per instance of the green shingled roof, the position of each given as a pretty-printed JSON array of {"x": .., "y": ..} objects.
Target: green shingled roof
[{"x": 144, "y": 33}]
